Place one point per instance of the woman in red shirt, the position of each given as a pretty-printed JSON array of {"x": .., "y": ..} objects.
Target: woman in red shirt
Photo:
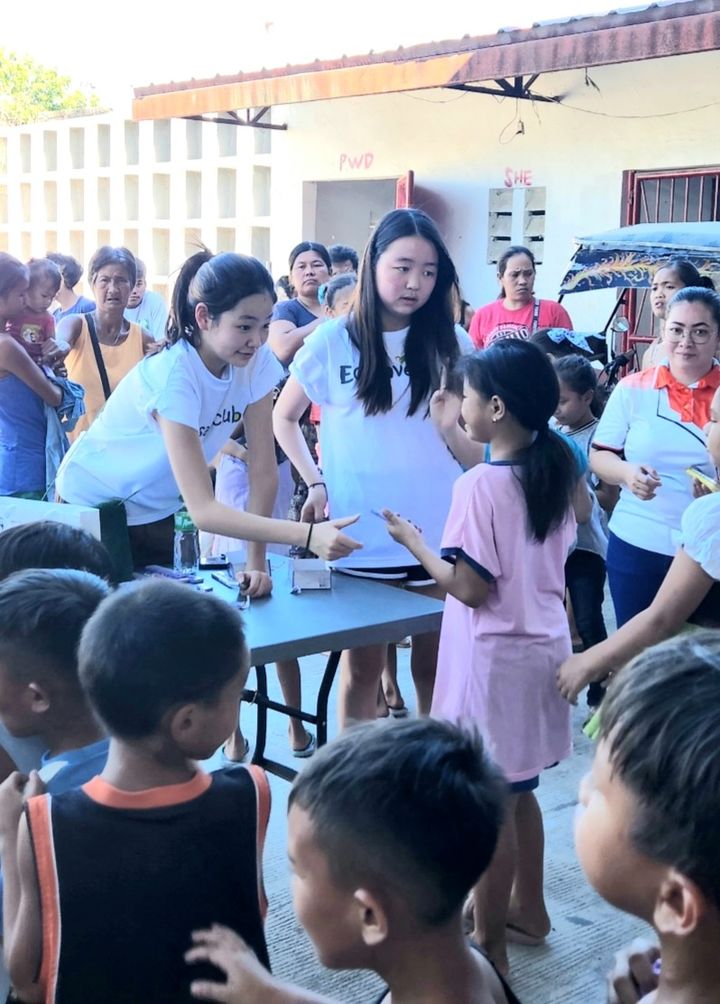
[{"x": 517, "y": 313}]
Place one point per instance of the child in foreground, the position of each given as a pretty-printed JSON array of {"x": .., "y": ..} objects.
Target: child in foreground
[
  {"x": 504, "y": 632},
  {"x": 377, "y": 888},
  {"x": 121, "y": 871},
  {"x": 647, "y": 834},
  {"x": 44, "y": 544},
  {"x": 42, "y": 615}
]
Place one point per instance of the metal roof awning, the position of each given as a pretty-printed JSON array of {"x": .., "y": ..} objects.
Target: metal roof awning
[{"x": 507, "y": 58}]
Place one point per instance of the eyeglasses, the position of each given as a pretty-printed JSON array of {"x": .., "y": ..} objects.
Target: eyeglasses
[{"x": 698, "y": 337}]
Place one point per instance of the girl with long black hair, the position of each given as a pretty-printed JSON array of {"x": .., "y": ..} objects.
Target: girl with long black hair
[
  {"x": 373, "y": 374},
  {"x": 504, "y": 631}
]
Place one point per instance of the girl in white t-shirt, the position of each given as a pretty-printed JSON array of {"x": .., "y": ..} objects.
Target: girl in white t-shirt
[
  {"x": 690, "y": 590},
  {"x": 152, "y": 442},
  {"x": 373, "y": 374}
]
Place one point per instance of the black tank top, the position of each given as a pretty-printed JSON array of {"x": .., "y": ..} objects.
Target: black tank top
[
  {"x": 125, "y": 877},
  {"x": 511, "y": 998}
]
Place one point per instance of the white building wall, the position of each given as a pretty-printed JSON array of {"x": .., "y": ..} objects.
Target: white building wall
[
  {"x": 71, "y": 185},
  {"x": 455, "y": 144},
  {"x": 158, "y": 187}
]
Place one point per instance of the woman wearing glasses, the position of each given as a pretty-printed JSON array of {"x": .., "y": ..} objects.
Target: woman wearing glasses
[{"x": 650, "y": 433}]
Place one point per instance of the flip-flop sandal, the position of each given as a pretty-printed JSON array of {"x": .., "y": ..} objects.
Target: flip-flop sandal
[
  {"x": 226, "y": 759},
  {"x": 520, "y": 937},
  {"x": 307, "y": 750},
  {"x": 399, "y": 712}
]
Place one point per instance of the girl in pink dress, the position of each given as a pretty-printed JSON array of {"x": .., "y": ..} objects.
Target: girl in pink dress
[{"x": 504, "y": 631}]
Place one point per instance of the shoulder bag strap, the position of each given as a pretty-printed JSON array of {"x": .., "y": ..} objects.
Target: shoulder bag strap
[
  {"x": 536, "y": 316},
  {"x": 98, "y": 355}
]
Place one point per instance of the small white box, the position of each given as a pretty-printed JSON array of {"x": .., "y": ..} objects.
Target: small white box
[{"x": 309, "y": 573}]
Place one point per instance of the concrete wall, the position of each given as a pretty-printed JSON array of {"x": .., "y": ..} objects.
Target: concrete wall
[
  {"x": 460, "y": 146},
  {"x": 73, "y": 184}
]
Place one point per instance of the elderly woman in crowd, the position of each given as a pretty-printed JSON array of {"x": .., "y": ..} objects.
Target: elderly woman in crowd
[{"x": 104, "y": 346}]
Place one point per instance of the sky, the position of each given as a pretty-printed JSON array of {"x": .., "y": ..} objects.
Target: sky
[{"x": 113, "y": 48}]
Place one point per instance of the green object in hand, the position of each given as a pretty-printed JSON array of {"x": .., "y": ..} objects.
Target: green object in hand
[{"x": 591, "y": 728}]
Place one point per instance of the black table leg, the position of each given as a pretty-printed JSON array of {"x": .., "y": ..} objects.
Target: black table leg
[
  {"x": 259, "y": 697},
  {"x": 324, "y": 696}
]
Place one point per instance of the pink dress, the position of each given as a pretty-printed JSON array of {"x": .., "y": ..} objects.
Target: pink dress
[{"x": 497, "y": 663}]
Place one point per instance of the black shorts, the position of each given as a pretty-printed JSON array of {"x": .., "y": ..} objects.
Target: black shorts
[
  {"x": 529, "y": 784},
  {"x": 412, "y": 576}
]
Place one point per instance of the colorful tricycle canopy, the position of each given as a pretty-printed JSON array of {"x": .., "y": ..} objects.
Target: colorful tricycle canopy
[{"x": 630, "y": 256}]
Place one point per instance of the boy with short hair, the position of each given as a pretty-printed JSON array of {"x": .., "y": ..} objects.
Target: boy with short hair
[
  {"x": 390, "y": 826},
  {"x": 48, "y": 544},
  {"x": 42, "y": 615},
  {"x": 146, "y": 308},
  {"x": 647, "y": 837},
  {"x": 122, "y": 870}
]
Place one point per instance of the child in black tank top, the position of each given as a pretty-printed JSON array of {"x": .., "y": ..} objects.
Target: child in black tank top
[
  {"x": 105, "y": 883},
  {"x": 390, "y": 826}
]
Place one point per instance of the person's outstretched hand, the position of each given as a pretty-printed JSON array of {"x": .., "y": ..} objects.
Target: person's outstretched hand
[
  {"x": 255, "y": 583},
  {"x": 573, "y": 676},
  {"x": 248, "y": 982},
  {"x": 330, "y": 543},
  {"x": 643, "y": 481},
  {"x": 445, "y": 407},
  {"x": 401, "y": 530},
  {"x": 634, "y": 977}
]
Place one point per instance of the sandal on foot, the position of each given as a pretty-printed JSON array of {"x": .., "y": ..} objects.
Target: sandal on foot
[
  {"x": 400, "y": 711},
  {"x": 228, "y": 762},
  {"x": 307, "y": 750},
  {"x": 518, "y": 936}
]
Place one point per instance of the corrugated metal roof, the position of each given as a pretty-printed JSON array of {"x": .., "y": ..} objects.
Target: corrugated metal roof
[{"x": 664, "y": 28}]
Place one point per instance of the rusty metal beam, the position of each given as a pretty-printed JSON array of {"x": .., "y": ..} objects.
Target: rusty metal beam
[
  {"x": 585, "y": 42},
  {"x": 232, "y": 118},
  {"x": 519, "y": 89}
]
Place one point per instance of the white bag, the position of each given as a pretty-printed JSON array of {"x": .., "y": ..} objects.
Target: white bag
[{"x": 15, "y": 512}]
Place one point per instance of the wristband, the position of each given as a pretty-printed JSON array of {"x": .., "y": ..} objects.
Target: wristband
[
  {"x": 307, "y": 542},
  {"x": 318, "y": 484}
]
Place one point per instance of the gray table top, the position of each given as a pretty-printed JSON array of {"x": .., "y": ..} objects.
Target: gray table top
[{"x": 352, "y": 613}]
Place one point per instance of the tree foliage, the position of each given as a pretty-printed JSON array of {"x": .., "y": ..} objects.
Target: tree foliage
[{"x": 30, "y": 91}]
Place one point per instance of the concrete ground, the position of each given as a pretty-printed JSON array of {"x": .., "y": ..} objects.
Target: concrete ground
[{"x": 569, "y": 969}]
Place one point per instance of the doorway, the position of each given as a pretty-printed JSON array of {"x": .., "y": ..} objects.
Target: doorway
[{"x": 345, "y": 212}]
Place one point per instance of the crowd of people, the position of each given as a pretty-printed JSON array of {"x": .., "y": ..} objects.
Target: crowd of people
[{"x": 345, "y": 411}]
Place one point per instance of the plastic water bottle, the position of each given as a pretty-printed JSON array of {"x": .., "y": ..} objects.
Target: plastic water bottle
[{"x": 187, "y": 544}]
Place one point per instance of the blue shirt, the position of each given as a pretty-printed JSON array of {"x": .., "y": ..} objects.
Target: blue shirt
[
  {"x": 83, "y": 306},
  {"x": 73, "y": 768}
]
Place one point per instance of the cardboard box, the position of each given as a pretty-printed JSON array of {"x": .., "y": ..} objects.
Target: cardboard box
[{"x": 309, "y": 573}]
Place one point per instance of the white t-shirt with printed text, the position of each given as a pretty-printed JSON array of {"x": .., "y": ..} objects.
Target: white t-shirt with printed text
[
  {"x": 123, "y": 455},
  {"x": 389, "y": 460}
]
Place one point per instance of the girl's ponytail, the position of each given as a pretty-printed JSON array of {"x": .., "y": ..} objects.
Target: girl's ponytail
[
  {"x": 548, "y": 477},
  {"x": 522, "y": 376},
  {"x": 181, "y": 318}
]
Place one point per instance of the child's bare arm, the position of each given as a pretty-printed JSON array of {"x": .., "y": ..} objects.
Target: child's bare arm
[
  {"x": 23, "y": 926},
  {"x": 248, "y": 982},
  {"x": 607, "y": 496},
  {"x": 459, "y": 579}
]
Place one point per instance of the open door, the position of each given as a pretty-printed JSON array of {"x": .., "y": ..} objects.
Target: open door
[{"x": 405, "y": 191}]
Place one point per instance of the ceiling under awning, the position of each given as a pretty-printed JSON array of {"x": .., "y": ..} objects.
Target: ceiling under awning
[{"x": 508, "y": 63}]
